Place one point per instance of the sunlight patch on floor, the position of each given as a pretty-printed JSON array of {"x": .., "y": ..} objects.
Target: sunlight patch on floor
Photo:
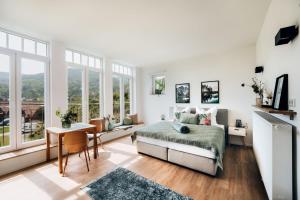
[
  {"x": 51, "y": 172},
  {"x": 123, "y": 147},
  {"x": 20, "y": 185},
  {"x": 118, "y": 158},
  {"x": 133, "y": 161}
]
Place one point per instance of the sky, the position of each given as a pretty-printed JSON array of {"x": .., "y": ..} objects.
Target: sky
[{"x": 28, "y": 66}]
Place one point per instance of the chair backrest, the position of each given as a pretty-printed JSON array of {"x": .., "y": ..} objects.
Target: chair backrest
[
  {"x": 99, "y": 123},
  {"x": 75, "y": 142}
]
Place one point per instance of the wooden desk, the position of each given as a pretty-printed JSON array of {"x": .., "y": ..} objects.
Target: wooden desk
[{"x": 60, "y": 132}]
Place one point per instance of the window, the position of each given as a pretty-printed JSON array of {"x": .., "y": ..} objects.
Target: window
[
  {"x": 75, "y": 91},
  {"x": 84, "y": 80},
  {"x": 23, "y": 43},
  {"x": 29, "y": 46},
  {"x": 116, "y": 98},
  {"x": 94, "y": 94},
  {"x": 3, "y": 39},
  {"x": 5, "y": 94},
  {"x": 14, "y": 42},
  {"x": 122, "y": 91},
  {"x": 33, "y": 96},
  {"x": 23, "y": 94},
  {"x": 127, "y": 98},
  {"x": 158, "y": 84}
]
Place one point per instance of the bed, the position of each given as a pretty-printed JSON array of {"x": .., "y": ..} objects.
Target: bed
[{"x": 202, "y": 149}]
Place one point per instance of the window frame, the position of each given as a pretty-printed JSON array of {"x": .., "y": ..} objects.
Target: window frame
[
  {"x": 85, "y": 81},
  {"x": 122, "y": 76},
  {"x": 15, "y": 105}
]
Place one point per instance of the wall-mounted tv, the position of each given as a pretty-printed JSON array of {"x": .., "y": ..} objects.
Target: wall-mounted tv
[{"x": 281, "y": 93}]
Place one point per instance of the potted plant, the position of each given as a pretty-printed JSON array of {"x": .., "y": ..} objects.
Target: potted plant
[
  {"x": 258, "y": 88},
  {"x": 67, "y": 118}
]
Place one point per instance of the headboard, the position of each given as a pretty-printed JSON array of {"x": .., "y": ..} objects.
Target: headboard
[{"x": 222, "y": 118}]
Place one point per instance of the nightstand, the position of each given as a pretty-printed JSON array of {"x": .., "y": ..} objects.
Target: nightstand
[{"x": 240, "y": 132}]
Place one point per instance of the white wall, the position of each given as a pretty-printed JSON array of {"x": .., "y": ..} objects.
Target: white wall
[
  {"x": 279, "y": 60},
  {"x": 231, "y": 69}
]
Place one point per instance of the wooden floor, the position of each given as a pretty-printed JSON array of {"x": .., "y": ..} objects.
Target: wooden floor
[{"x": 239, "y": 180}]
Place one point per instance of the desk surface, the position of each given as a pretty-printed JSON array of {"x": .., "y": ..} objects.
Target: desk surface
[{"x": 74, "y": 127}]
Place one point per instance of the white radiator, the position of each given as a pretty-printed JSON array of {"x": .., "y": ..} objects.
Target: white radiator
[{"x": 272, "y": 144}]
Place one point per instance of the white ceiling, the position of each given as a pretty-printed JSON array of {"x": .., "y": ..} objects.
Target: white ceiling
[{"x": 140, "y": 32}]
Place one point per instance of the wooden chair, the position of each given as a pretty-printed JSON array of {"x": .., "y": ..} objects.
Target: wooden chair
[
  {"x": 76, "y": 142},
  {"x": 100, "y": 126}
]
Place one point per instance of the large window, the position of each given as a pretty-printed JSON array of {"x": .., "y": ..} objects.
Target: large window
[
  {"x": 122, "y": 91},
  {"x": 33, "y": 95},
  {"x": 116, "y": 98},
  {"x": 94, "y": 93},
  {"x": 5, "y": 94},
  {"x": 84, "y": 85},
  {"x": 24, "y": 66},
  {"x": 75, "y": 75}
]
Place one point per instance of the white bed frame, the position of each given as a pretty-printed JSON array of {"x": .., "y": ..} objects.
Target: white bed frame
[{"x": 171, "y": 153}]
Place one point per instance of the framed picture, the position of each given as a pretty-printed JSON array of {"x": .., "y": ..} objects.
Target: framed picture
[
  {"x": 182, "y": 93},
  {"x": 210, "y": 92},
  {"x": 281, "y": 95}
]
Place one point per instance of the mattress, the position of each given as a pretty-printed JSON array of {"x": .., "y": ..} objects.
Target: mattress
[{"x": 180, "y": 147}]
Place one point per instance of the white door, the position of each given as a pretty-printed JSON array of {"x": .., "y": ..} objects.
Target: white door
[
  {"x": 32, "y": 100},
  {"x": 7, "y": 102}
]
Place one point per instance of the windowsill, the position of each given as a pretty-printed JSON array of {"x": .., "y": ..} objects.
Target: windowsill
[{"x": 25, "y": 151}]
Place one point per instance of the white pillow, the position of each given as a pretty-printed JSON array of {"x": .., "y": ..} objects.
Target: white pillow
[
  {"x": 186, "y": 110},
  {"x": 213, "y": 112},
  {"x": 200, "y": 110}
]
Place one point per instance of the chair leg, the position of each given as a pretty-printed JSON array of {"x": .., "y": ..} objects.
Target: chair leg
[
  {"x": 88, "y": 154},
  {"x": 79, "y": 154},
  {"x": 87, "y": 164},
  {"x": 101, "y": 143},
  {"x": 66, "y": 164}
]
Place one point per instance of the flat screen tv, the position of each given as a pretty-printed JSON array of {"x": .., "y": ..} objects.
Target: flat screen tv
[{"x": 281, "y": 93}]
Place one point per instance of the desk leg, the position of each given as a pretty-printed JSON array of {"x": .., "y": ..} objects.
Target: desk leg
[
  {"x": 95, "y": 145},
  {"x": 48, "y": 145},
  {"x": 60, "y": 165}
]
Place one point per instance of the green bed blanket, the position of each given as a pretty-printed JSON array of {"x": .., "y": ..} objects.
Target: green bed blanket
[{"x": 206, "y": 137}]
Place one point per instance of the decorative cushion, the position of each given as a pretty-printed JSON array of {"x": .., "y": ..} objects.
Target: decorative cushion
[
  {"x": 213, "y": 111},
  {"x": 177, "y": 115},
  {"x": 188, "y": 118},
  {"x": 186, "y": 110},
  {"x": 127, "y": 121},
  {"x": 205, "y": 119},
  {"x": 134, "y": 118}
]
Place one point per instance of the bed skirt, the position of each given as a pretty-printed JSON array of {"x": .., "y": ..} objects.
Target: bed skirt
[{"x": 196, "y": 162}]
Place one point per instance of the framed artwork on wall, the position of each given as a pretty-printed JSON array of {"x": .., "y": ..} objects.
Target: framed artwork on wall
[
  {"x": 281, "y": 93},
  {"x": 210, "y": 92},
  {"x": 182, "y": 92}
]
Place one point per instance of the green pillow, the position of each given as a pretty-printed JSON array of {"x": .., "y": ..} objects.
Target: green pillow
[
  {"x": 177, "y": 115},
  {"x": 188, "y": 118},
  {"x": 127, "y": 121}
]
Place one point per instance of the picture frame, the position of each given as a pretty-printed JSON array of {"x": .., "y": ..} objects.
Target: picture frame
[
  {"x": 210, "y": 93},
  {"x": 182, "y": 93},
  {"x": 280, "y": 100}
]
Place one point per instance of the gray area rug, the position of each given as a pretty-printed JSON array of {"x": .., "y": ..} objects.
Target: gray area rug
[{"x": 126, "y": 185}]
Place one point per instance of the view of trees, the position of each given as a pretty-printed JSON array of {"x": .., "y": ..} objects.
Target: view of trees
[
  {"x": 32, "y": 107},
  {"x": 75, "y": 93}
]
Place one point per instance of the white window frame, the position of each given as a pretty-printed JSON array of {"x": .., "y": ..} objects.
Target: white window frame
[
  {"x": 122, "y": 76},
  {"x": 15, "y": 95},
  {"x": 85, "y": 82}
]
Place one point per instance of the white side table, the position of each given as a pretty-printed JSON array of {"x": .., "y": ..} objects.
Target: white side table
[{"x": 240, "y": 132}]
